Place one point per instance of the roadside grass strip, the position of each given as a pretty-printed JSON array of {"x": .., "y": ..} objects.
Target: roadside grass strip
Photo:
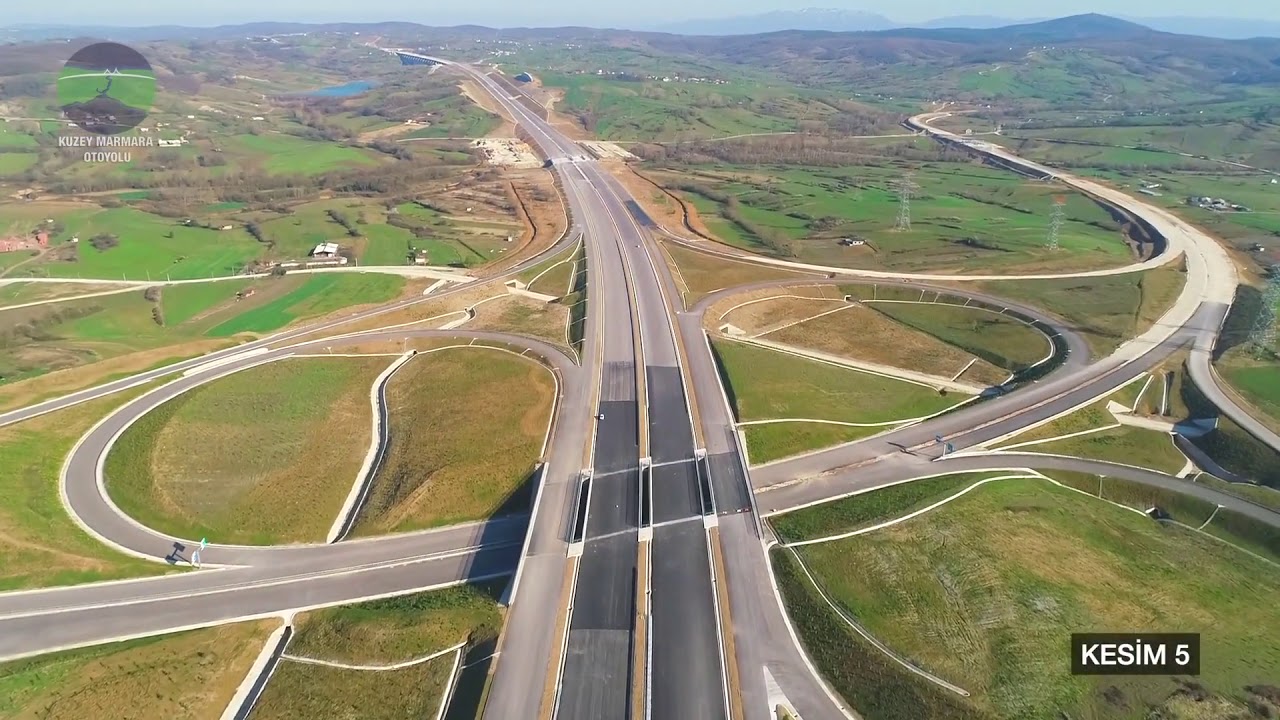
[
  {"x": 189, "y": 675},
  {"x": 349, "y": 660},
  {"x": 41, "y": 544}
]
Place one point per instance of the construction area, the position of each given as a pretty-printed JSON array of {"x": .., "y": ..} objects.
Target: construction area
[{"x": 507, "y": 152}]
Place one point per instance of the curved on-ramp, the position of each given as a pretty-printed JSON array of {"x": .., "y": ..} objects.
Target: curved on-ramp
[{"x": 89, "y": 504}]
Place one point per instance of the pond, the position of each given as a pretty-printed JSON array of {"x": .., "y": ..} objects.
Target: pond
[{"x": 354, "y": 87}]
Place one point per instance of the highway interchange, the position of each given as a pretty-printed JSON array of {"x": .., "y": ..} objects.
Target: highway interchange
[{"x": 645, "y": 442}]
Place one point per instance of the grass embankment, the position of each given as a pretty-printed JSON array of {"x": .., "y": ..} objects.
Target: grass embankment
[
  {"x": 1107, "y": 310},
  {"x": 382, "y": 632},
  {"x": 153, "y": 326},
  {"x": 546, "y": 321},
  {"x": 1023, "y": 565},
  {"x": 444, "y": 466},
  {"x": 1253, "y": 372},
  {"x": 995, "y": 338},
  {"x": 864, "y": 509},
  {"x": 966, "y": 219},
  {"x": 937, "y": 339},
  {"x": 1260, "y": 494},
  {"x": 40, "y": 546},
  {"x": 264, "y": 456},
  {"x": 698, "y": 274},
  {"x": 1228, "y": 525},
  {"x": 552, "y": 275},
  {"x": 190, "y": 676},
  {"x": 765, "y": 384},
  {"x": 1124, "y": 444}
]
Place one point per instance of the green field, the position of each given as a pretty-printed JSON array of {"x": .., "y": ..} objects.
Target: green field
[
  {"x": 765, "y": 384},
  {"x": 984, "y": 591},
  {"x": 13, "y": 163},
  {"x": 456, "y": 117},
  {"x": 1108, "y": 310},
  {"x": 284, "y": 154},
  {"x": 965, "y": 218},
  {"x": 149, "y": 246},
  {"x": 383, "y": 632},
  {"x": 442, "y": 467},
  {"x": 137, "y": 679},
  {"x": 263, "y": 456},
  {"x": 46, "y": 338},
  {"x": 316, "y": 691},
  {"x": 40, "y": 545},
  {"x": 319, "y": 294}
]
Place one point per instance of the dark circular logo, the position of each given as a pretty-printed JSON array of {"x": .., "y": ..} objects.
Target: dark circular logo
[{"x": 106, "y": 88}]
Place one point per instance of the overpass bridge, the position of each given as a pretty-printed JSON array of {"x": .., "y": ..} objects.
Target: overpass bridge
[{"x": 408, "y": 57}]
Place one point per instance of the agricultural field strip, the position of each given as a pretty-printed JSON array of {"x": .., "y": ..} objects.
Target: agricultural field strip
[
  {"x": 86, "y": 296},
  {"x": 374, "y": 668}
]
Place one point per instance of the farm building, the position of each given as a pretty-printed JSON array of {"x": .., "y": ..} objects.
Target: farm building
[{"x": 325, "y": 250}]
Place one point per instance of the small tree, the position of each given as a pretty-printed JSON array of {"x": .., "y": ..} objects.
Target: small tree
[{"x": 104, "y": 241}]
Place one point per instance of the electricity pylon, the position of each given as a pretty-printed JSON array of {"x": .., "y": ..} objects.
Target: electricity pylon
[
  {"x": 905, "y": 187},
  {"x": 1055, "y": 220}
]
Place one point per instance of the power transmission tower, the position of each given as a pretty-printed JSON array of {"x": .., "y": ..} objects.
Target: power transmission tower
[
  {"x": 1055, "y": 220},
  {"x": 1263, "y": 335},
  {"x": 905, "y": 187}
]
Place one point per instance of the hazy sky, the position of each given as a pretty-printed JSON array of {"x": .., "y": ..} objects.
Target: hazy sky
[{"x": 510, "y": 13}]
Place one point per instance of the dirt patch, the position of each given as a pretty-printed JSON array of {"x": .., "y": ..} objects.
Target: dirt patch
[
  {"x": 771, "y": 309},
  {"x": 541, "y": 210},
  {"x": 507, "y": 152}
]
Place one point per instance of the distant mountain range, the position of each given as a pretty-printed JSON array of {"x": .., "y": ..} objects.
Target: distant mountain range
[{"x": 857, "y": 21}]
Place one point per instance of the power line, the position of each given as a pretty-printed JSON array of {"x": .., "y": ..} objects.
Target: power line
[
  {"x": 906, "y": 186},
  {"x": 1263, "y": 335},
  {"x": 1055, "y": 220}
]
